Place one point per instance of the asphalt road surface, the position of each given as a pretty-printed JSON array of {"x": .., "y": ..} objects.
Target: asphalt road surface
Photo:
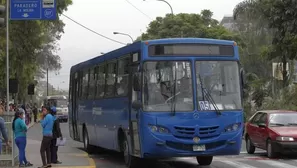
[{"x": 109, "y": 159}]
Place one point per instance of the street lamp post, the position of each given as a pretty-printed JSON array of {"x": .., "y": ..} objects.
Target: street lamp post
[
  {"x": 167, "y": 4},
  {"x": 124, "y": 35}
]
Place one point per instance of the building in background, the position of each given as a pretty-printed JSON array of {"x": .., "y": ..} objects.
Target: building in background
[{"x": 228, "y": 22}]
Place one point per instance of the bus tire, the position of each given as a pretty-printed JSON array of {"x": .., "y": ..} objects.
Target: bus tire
[
  {"x": 204, "y": 160},
  {"x": 130, "y": 161},
  {"x": 88, "y": 148}
]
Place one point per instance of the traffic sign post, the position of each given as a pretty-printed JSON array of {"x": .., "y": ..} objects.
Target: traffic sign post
[{"x": 33, "y": 9}]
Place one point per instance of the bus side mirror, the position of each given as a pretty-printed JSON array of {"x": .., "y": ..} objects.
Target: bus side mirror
[
  {"x": 136, "y": 82},
  {"x": 242, "y": 76},
  {"x": 136, "y": 105},
  {"x": 243, "y": 81}
]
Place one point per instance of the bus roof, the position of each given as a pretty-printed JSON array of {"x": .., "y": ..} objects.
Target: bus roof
[
  {"x": 136, "y": 46},
  {"x": 189, "y": 40}
]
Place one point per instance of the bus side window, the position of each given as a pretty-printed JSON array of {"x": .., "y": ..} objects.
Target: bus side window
[
  {"x": 100, "y": 83},
  {"x": 110, "y": 79},
  {"x": 123, "y": 76},
  {"x": 79, "y": 88},
  {"x": 85, "y": 84},
  {"x": 92, "y": 84}
]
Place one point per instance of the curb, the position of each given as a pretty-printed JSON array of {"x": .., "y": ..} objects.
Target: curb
[{"x": 92, "y": 163}]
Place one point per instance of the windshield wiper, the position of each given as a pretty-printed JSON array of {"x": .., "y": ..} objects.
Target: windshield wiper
[{"x": 206, "y": 94}]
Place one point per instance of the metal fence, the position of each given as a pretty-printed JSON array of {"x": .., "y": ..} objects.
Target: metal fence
[{"x": 9, "y": 154}]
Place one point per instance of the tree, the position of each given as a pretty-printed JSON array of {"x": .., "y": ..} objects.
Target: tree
[
  {"x": 32, "y": 42},
  {"x": 267, "y": 28},
  {"x": 187, "y": 25},
  {"x": 281, "y": 19}
]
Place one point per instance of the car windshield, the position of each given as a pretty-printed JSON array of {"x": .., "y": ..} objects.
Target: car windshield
[
  {"x": 220, "y": 80},
  {"x": 283, "y": 119},
  {"x": 167, "y": 84}
]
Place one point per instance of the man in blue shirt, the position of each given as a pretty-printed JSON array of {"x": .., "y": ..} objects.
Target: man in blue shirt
[
  {"x": 47, "y": 123},
  {"x": 3, "y": 133}
]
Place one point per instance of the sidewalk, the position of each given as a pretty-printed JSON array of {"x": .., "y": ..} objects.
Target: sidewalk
[{"x": 70, "y": 157}]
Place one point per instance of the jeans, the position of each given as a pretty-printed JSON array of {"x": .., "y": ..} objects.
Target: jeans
[
  {"x": 54, "y": 150},
  {"x": 45, "y": 149},
  {"x": 21, "y": 143}
]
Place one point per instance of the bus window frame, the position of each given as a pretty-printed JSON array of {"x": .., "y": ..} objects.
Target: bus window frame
[
  {"x": 130, "y": 56},
  {"x": 93, "y": 68},
  {"x": 106, "y": 76},
  {"x": 192, "y": 63},
  {"x": 105, "y": 66},
  {"x": 84, "y": 90}
]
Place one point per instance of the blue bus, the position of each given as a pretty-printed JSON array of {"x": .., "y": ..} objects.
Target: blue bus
[{"x": 155, "y": 99}]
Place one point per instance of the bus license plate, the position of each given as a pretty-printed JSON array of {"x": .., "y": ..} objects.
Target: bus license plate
[{"x": 198, "y": 147}]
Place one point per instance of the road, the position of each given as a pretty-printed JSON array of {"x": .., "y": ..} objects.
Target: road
[{"x": 113, "y": 160}]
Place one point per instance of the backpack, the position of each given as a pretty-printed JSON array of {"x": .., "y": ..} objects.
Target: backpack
[{"x": 55, "y": 129}]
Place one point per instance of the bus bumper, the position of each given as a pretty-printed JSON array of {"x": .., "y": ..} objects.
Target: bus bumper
[{"x": 165, "y": 146}]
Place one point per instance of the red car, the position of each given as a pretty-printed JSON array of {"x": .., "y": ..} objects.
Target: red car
[{"x": 274, "y": 131}]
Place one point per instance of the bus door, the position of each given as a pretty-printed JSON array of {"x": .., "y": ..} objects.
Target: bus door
[
  {"x": 134, "y": 113},
  {"x": 75, "y": 93}
]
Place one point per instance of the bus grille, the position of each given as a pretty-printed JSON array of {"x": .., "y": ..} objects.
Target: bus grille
[
  {"x": 208, "y": 130},
  {"x": 184, "y": 131}
]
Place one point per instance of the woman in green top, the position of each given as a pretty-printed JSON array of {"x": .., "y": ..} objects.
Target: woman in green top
[{"x": 20, "y": 130}]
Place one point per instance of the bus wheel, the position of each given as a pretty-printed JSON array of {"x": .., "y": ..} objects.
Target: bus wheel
[
  {"x": 130, "y": 161},
  {"x": 204, "y": 160},
  {"x": 89, "y": 148}
]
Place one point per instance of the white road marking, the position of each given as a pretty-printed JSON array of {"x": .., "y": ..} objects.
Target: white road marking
[
  {"x": 237, "y": 164},
  {"x": 276, "y": 164}
]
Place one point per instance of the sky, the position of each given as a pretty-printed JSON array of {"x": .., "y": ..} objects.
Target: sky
[{"x": 107, "y": 16}]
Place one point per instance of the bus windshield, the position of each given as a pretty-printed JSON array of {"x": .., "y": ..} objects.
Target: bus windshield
[
  {"x": 220, "y": 79},
  {"x": 167, "y": 84},
  {"x": 60, "y": 103}
]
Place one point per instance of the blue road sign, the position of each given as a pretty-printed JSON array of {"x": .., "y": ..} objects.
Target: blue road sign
[{"x": 33, "y": 10}]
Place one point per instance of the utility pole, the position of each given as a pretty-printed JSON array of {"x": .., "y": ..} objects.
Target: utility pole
[
  {"x": 4, "y": 9},
  {"x": 47, "y": 80}
]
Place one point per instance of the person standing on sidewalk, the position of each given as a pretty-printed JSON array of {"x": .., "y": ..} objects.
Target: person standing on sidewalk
[
  {"x": 56, "y": 134},
  {"x": 20, "y": 131},
  {"x": 3, "y": 133},
  {"x": 47, "y": 123}
]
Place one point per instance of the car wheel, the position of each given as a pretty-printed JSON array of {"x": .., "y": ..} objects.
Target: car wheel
[
  {"x": 270, "y": 152},
  {"x": 204, "y": 160},
  {"x": 250, "y": 148}
]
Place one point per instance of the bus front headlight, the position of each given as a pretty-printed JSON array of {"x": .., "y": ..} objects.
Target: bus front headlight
[{"x": 158, "y": 129}]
